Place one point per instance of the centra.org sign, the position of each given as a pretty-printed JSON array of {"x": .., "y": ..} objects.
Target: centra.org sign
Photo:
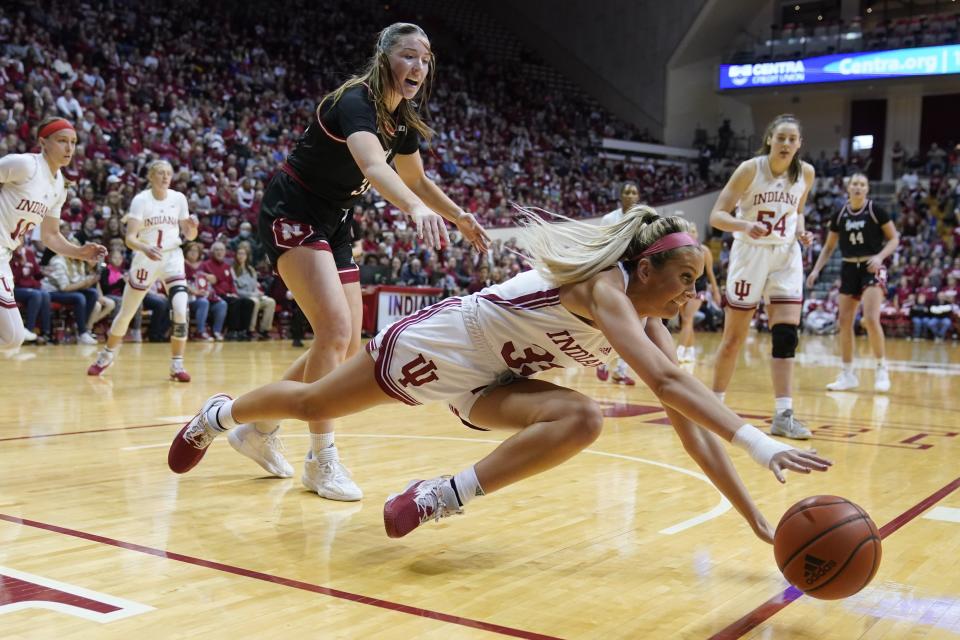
[{"x": 766, "y": 72}]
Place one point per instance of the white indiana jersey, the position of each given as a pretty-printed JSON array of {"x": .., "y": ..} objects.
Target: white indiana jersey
[
  {"x": 28, "y": 193},
  {"x": 161, "y": 218},
  {"x": 773, "y": 201},
  {"x": 526, "y": 327}
]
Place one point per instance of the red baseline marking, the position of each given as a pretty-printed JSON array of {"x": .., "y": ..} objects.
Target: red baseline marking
[
  {"x": 766, "y": 610},
  {"x": 13, "y": 590},
  {"x": 287, "y": 582},
  {"x": 74, "y": 433}
]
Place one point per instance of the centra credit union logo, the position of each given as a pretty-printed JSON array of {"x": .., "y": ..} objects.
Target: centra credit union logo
[{"x": 766, "y": 72}]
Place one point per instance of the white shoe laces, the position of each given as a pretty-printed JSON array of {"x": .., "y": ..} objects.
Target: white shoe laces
[
  {"x": 428, "y": 497},
  {"x": 198, "y": 434},
  {"x": 104, "y": 359}
]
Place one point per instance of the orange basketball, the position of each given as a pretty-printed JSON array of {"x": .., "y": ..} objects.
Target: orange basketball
[{"x": 827, "y": 547}]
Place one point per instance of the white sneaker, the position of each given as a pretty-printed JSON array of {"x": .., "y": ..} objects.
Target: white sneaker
[
  {"x": 329, "y": 478},
  {"x": 881, "y": 380},
  {"x": 421, "y": 501},
  {"x": 29, "y": 336},
  {"x": 846, "y": 380},
  {"x": 263, "y": 448},
  {"x": 86, "y": 338},
  {"x": 787, "y": 425}
]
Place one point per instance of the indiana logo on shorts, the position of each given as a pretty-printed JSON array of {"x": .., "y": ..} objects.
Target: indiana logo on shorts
[
  {"x": 141, "y": 275},
  {"x": 418, "y": 372},
  {"x": 741, "y": 288}
]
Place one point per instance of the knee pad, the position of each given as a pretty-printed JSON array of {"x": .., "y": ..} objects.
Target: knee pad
[
  {"x": 179, "y": 330},
  {"x": 785, "y": 340},
  {"x": 179, "y": 301}
]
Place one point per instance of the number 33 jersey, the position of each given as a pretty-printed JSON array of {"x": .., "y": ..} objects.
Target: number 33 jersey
[
  {"x": 160, "y": 218},
  {"x": 28, "y": 193},
  {"x": 772, "y": 201},
  {"x": 458, "y": 349}
]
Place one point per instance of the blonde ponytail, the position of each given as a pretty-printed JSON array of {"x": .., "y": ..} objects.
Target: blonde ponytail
[{"x": 577, "y": 251}]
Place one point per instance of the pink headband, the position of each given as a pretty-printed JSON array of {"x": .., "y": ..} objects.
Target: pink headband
[
  {"x": 670, "y": 241},
  {"x": 53, "y": 127}
]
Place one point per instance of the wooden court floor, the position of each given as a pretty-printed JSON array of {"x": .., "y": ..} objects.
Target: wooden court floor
[{"x": 98, "y": 539}]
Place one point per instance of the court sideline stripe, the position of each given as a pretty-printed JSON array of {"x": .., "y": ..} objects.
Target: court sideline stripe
[
  {"x": 287, "y": 582},
  {"x": 769, "y": 608},
  {"x": 75, "y": 433}
]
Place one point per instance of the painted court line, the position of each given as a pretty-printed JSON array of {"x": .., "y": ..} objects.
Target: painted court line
[
  {"x": 286, "y": 582},
  {"x": 947, "y": 514},
  {"x": 79, "y": 433},
  {"x": 766, "y": 610},
  {"x": 722, "y": 506}
]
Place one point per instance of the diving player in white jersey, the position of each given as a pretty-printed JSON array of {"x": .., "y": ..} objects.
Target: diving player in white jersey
[
  {"x": 32, "y": 192},
  {"x": 629, "y": 196},
  {"x": 593, "y": 290},
  {"x": 765, "y": 261},
  {"x": 157, "y": 217}
]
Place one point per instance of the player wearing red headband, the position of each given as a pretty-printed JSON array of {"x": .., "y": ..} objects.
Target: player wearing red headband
[
  {"x": 592, "y": 292},
  {"x": 32, "y": 194}
]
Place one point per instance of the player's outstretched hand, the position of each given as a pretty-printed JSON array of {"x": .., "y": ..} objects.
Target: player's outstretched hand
[
  {"x": 762, "y": 528},
  {"x": 805, "y": 238},
  {"x": 473, "y": 232},
  {"x": 812, "y": 278},
  {"x": 797, "y": 460},
  {"x": 430, "y": 228},
  {"x": 92, "y": 252}
]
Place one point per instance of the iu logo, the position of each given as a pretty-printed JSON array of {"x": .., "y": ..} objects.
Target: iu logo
[
  {"x": 418, "y": 372},
  {"x": 141, "y": 275},
  {"x": 741, "y": 288}
]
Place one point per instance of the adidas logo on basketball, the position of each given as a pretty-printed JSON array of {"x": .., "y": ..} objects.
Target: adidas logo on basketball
[{"x": 814, "y": 568}]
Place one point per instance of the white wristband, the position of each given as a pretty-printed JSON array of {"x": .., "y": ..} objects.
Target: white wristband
[{"x": 759, "y": 445}]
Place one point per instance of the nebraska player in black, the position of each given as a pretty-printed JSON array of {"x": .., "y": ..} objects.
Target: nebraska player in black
[
  {"x": 867, "y": 237},
  {"x": 306, "y": 217}
]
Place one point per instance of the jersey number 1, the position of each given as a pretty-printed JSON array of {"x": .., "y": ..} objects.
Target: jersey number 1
[
  {"x": 780, "y": 226},
  {"x": 159, "y": 238}
]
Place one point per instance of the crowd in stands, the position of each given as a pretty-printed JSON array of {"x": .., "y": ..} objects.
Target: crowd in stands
[
  {"x": 222, "y": 90},
  {"x": 875, "y": 31}
]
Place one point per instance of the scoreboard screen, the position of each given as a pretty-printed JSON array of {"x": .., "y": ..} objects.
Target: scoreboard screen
[{"x": 843, "y": 67}]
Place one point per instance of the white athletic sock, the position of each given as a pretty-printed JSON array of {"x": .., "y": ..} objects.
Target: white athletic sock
[
  {"x": 176, "y": 363},
  {"x": 221, "y": 416},
  {"x": 319, "y": 442},
  {"x": 848, "y": 367},
  {"x": 882, "y": 363},
  {"x": 621, "y": 368},
  {"x": 783, "y": 404},
  {"x": 466, "y": 486},
  {"x": 721, "y": 395}
]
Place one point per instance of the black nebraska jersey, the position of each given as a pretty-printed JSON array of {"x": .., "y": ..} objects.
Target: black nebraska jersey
[
  {"x": 861, "y": 233},
  {"x": 321, "y": 158}
]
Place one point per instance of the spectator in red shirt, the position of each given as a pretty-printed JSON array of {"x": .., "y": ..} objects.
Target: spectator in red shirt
[{"x": 239, "y": 310}]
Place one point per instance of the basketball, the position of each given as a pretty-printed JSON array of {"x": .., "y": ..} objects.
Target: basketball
[{"x": 827, "y": 547}]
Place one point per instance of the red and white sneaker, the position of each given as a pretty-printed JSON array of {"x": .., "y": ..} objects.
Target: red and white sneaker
[
  {"x": 623, "y": 379},
  {"x": 422, "y": 500},
  {"x": 104, "y": 360},
  {"x": 191, "y": 443},
  {"x": 603, "y": 373},
  {"x": 179, "y": 375}
]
